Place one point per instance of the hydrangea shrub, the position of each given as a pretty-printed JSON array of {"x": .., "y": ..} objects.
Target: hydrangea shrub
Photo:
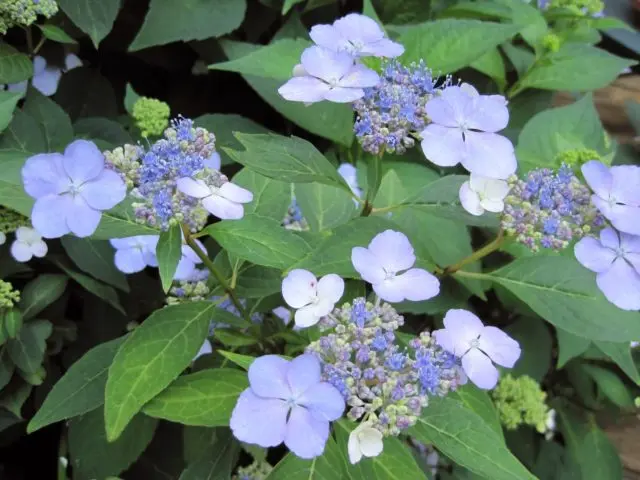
[{"x": 414, "y": 269}]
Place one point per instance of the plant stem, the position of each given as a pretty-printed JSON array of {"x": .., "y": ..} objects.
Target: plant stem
[
  {"x": 477, "y": 255},
  {"x": 39, "y": 45},
  {"x": 29, "y": 40},
  {"x": 214, "y": 271}
]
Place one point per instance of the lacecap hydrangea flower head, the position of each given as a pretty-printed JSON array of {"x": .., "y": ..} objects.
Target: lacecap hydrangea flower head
[{"x": 24, "y": 12}]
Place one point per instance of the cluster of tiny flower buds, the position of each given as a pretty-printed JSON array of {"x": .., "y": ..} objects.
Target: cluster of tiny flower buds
[
  {"x": 10, "y": 221},
  {"x": 193, "y": 290},
  {"x": 393, "y": 110},
  {"x": 24, "y": 12},
  {"x": 383, "y": 384},
  {"x": 152, "y": 175},
  {"x": 549, "y": 209},
  {"x": 256, "y": 471},
  {"x": 151, "y": 116},
  {"x": 521, "y": 401},
  {"x": 9, "y": 297},
  {"x": 578, "y": 7},
  {"x": 294, "y": 219}
]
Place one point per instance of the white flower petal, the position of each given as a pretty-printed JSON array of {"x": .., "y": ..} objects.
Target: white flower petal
[
  {"x": 193, "y": 188},
  {"x": 235, "y": 193},
  {"x": 470, "y": 200},
  {"x": 223, "y": 208},
  {"x": 299, "y": 288},
  {"x": 331, "y": 288},
  {"x": 307, "y": 316}
]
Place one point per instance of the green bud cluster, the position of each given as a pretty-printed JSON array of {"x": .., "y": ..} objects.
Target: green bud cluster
[
  {"x": 10, "y": 221},
  {"x": 9, "y": 297},
  {"x": 24, "y": 12},
  {"x": 520, "y": 401},
  {"x": 125, "y": 161},
  {"x": 182, "y": 292},
  {"x": 576, "y": 158},
  {"x": 151, "y": 116},
  {"x": 579, "y": 7},
  {"x": 258, "y": 470},
  {"x": 551, "y": 42}
]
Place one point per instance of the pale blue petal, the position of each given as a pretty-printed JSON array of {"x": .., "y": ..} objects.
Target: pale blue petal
[
  {"x": 130, "y": 260},
  {"x": 500, "y": 347},
  {"x": 260, "y": 421},
  {"x": 443, "y": 146},
  {"x": 268, "y": 377},
  {"x": 324, "y": 401},
  {"x": 303, "y": 373},
  {"x": 626, "y": 184},
  {"x": 81, "y": 218},
  {"x": 49, "y": 215},
  {"x": 304, "y": 89},
  {"x": 489, "y": 155},
  {"x": 325, "y": 64},
  {"x": 621, "y": 285},
  {"x": 593, "y": 255},
  {"x": 83, "y": 161},
  {"x": 105, "y": 191},
  {"x": 344, "y": 95},
  {"x": 43, "y": 175},
  {"x": 306, "y": 436},
  {"x": 598, "y": 177},
  {"x": 478, "y": 367}
]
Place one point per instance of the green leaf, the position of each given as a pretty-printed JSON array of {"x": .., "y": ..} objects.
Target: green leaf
[
  {"x": 23, "y": 135},
  {"x": 113, "y": 225},
  {"x": 243, "y": 361},
  {"x": 151, "y": 358},
  {"x": 130, "y": 98},
  {"x": 95, "y": 257},
  {"x": 232, "y": 338},
  {"x": 328, "y": 466},
  {"x": 52, "y": 119},
  {"x": 94, "y": 17},
  {"x": 271, "y": 198},
  {"x": 450, "y": 44},
  {"x": 481, "y": 404},
  {"x": 224, "y": 125},
  {"x": 324, "y": 206},
  {"x": 333, "y": 255},
  {"x": 288, "y": 4},
  {"x": 13, "y": 397},
  {"x": 620, "y": 353},
  {"x": 536, "y": 344},
  {"x": 168, "y": 21},
  {"x": 610, "y": 385},
  {"x": 275, "y": 60},
  {"x": 326, "y": 119},
  {"x": 205, "y": 398},
  {"x": 260, "y": 240},
  {"x": 56, "y": 34},
  {"x": 533, "y": 26},
  {"x": 169, "y": 252},
  {"x": 570, "y": 346},
  {"x": 257, "y": 282},
  {"x": 217, "y": 461},
  {"x": 84, "y": 92},
  {"x": 288, "y": 159},
  {"x": 106, "y": 133},
  {"x": 27, "y": 349},
  {"x": 80, "y": 390},
  {"x": 8, "y": 102},
  {"x": 492, "y": 65},
  {"x": 575, "y": 67},
  {"x": 14, "y": 66},
  {"x": 556, "y": 130},
  {"x": 562, "y": 292},
  {"x": 99, "y": 289},
  {"x": 465, "y": 437},
  {"x": 41, "y": 292},
  {"x": 92, "y": 456}
]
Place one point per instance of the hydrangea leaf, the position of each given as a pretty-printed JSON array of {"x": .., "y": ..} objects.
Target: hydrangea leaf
[
  {"x": 260, "y": 240},
  {"x": 563, "y": 292},
  {"x": 84, "y": 92},
  {"x": 243, "y": 361},
  {"x": 105, "y": 133},
  {"x": 94, "y": 17},
  {"x": 56, "y": 34},
  {"x": 271, "y": 198},
  {"x": 610, "y": 385},
  {"x": 95, "y": 257},
  {"x": 28, "y": 348},
  {"x": 255, "y": 281},
  {"x": 14, "y": 66},
  {"x": 324, "y": 206},
  {"x": 480, "y": 402},
  {"x": 450, "y": 44},
  {"x": 288, "y": 159},
  {"x": 53, "y": 120},
  {"x": 575, "y": 67},
  {"x": 8, "y": 102},
  {"x": 41, "y": 292},
  {"x": 92, "y": 456},
  {"x": 169, "y": 253},
  {"x": 536, "y": 344},
  {"x": 205, "y": 398},
  {"x": 329, "y": 120},
  {"x": 570, "y": 346},
  {"x": 151, "y": 358},
  {"x": 328, "y": 466},
  {"x": 169, "y": 21},
  {"x": 217, "y": 460},
  {"x": 492, "y": 65},
  {"x": 620, "y": 353},
  {"x": 80, "y": 390},
  {"x": 465, "y": 437}
]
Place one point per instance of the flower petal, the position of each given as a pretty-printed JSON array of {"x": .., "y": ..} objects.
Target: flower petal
[
  {"x": 489, "y": 155},
  {"x": 49, "y": 215},
  {"x": 82, "y": 161},
  {"x": 442, "y": 146},
  {"x": 393, "y": 250},
  {"x": 307, "y": 316},
  {"x": 268, "y": 377},
  {"x": 327, "y": 36},
  {"x": 324, "y": 401},
  {"x": 331, "y": 288},
  {"x": 470, "y": 200},
  {"x": 205, "y": 349},
  {"x": 598, "y": 177},
  {"x": 72, "y": 61},
  {"x": 344, "y": 94},
  {"x": 223, "y": 208},
  {"x": 21, "y": 251},
  {"x": 414, "y": 285},
  {"x": 359, "y": 77},
  {"x": 500, "y": 347},
  {"x": 299, "y": 288},
  {"x": 43, "y": 175},
  {"x": 383, "y": 48},
  {"x": 185, "y": 269},
  {"x": 444, "y": 338},
  {"x": 304, "y": 89},
  {"x": 478, "y": 367},
  {"x": 448, "y": 109},
  {"x": 81, "y": 218},
  {"x": 260, "y": 421},
  {"x": 214, "y": 161},
  {"x": 105, "y": 191},
  {"x": 39, "y": 249},
  {"x": 303, "y": 372},
  {"x": 621, "y": 285},
  {"x": 489, "y": 113},
  {"x": 353, "y": 448},
  {"x": 367, "y": 265},
  {"x": 192, "y": 187},
  {"x": 464, "y": 327},
  {"x": 370, "y": 441},
  {"x": 325, "y": 64},
  {"x": 130, "y": 260},
  {"x": 359, "y": 28},
  {"x": 592, "y": 255},
  {"x": 626, "y": 184},
  {"x": 235, "y": 193},
  {"x": 47, "y": 81},
  {"x": 494, "y": 206},
  {"x": 306, "y": 436},
  {"x": 625, "y": 218}
]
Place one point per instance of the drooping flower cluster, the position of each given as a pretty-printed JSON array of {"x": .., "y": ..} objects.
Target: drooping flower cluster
[
  {"x": 549, "y": 209},
  {"x": 330, "y": 70},
  {"x": 383, "y": 383},
  {"x": 9, "y": 297},
  {"x": 24, "y": 12},
  {"x": 391, "y": 112},
  {"x": 151, "y": 116},
  {"x": 521, "y": 401}
]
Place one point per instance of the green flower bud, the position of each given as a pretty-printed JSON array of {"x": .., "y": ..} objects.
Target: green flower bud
[
  {"x": 10, "y": 221},
  {"x": 24, "y": 12},
  {"x": 576, "y": 158},
  {"x": 551, "y": 42},
  {"x": 151, "y": 116},
  {"x": 9, "y": 297},
  {"x": 520, "y": 401}
]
